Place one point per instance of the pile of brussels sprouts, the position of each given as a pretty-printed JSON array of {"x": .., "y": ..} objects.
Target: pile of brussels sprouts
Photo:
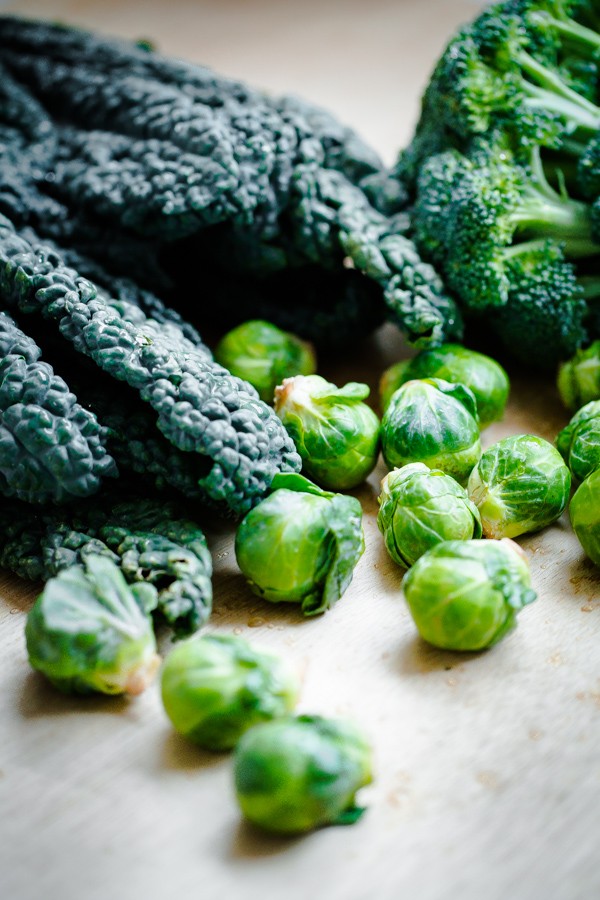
[{"x": 447, "y": 513}]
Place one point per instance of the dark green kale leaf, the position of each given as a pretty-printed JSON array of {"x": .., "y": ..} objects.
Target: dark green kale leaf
[{"x": 200, "y": 408}]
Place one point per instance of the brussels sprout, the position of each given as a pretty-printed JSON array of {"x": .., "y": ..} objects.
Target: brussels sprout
[
  {"x": 579, "y": 442},
  {"x": 579, "y": 377},
  {"x": 465, "y": 595},
  {"x": 520, "y": 484},
  {"x": 215, "y": 687},
  {"x": 421, "y": 507},
  {"x": 295, "y": 774},
  {"x": 300, "y": 544},
  {"x": 264, "y": 355},
  {"x": 89, "y": 631},
  {"x": 584, "y": 511},
  {"x": 481, "y": 374},
  {"x": 433, "y": 422},
  {"x": 335, "y": 433}
]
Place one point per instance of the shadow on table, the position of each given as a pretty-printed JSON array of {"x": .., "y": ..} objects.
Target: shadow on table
[
  {"x": 40, "y": 698},
  {"x": 250, "y": 842},
  {"x": 417, "y": 657},
  {"x": 180, "y": 754},
  {"x": 235, "y": 604}
]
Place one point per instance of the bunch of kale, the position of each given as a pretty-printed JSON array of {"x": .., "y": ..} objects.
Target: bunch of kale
[{"x": 141, "y": 197}]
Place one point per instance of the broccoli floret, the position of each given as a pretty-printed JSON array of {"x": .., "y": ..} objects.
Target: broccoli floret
[
  {"x": 543, "y": 320},
  {"x": 524, "y": 66},
  {"x": 474, "y": 215}
]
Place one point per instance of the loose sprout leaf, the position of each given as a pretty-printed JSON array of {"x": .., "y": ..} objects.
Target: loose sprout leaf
[
  {"x": 293, "y": 482},
  {"x": 353, "y": 390},
  {"x": 345, "y": 522},
  {"x": 350, "y": 816}
]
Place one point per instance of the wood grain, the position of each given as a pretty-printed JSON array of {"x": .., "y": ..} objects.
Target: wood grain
[{"x": 488, "y": 775}]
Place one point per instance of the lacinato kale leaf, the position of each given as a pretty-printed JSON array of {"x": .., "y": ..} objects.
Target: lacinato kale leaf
[{"x": 200, "y": 408}]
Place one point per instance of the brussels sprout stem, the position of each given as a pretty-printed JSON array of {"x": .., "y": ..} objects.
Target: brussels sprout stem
[{"x": 142, "y": 675}]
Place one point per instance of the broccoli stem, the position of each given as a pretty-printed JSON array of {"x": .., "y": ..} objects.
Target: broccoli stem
[
  {"x": 553, "y": 94},
  {"x": 575, "y": 34},
  {"x": 561, "y": 219},
  {"x": 545, "y": 213},
  {"x": 573, "y": 248}
]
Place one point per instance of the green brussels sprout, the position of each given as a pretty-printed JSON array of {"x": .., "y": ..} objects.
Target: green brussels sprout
[
  {"x": 300, "y": 544},
  {"x": 584, "y": 511},
  {"x": 421, "y": 507},
  {"x": 433, "y": 422},
  {"x": 215, "y": 687},
  {"x": 89, "y": 631},
  {"x": 465, "y": 595},
  {"x": 264, "y": 355},
  {"x": 520, "y": 484},
  {"x": 579, "y": 442},
  {"x": 579, "y": 377},
  {"x": 481, "y": 374},
  {"x": 295, "y": 774},
  {"x": 335, "y": 433}
]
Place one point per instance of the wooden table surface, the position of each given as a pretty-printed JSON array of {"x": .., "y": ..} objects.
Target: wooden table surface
[{"x": 488, "y": 772}]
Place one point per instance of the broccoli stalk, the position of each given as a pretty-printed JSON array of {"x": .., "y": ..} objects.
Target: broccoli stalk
[
  {"x": 550, "y": 92},
  {"x": 545, "y": 212},
  {"x": 554, "y": 17}
]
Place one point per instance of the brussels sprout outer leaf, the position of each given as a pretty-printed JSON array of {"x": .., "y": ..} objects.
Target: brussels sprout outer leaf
[
  {"x": 320, "y": 389},
  {"x": 87, "y": 631},
  {"x": 460, "y": 392},
  {"x": 296, "y": 774},
  {"x": 345, "y": 522},
  {"x": 584, "y": 512},
  {"x": 290, "y": 481},
  {"x": 520, "y": 484},
  {"x": 350, "y": 816},
  {"x": 215, "y": 687}
]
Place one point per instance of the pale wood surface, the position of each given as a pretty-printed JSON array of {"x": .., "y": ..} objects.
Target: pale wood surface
[{"x": 488, "y": 777}]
